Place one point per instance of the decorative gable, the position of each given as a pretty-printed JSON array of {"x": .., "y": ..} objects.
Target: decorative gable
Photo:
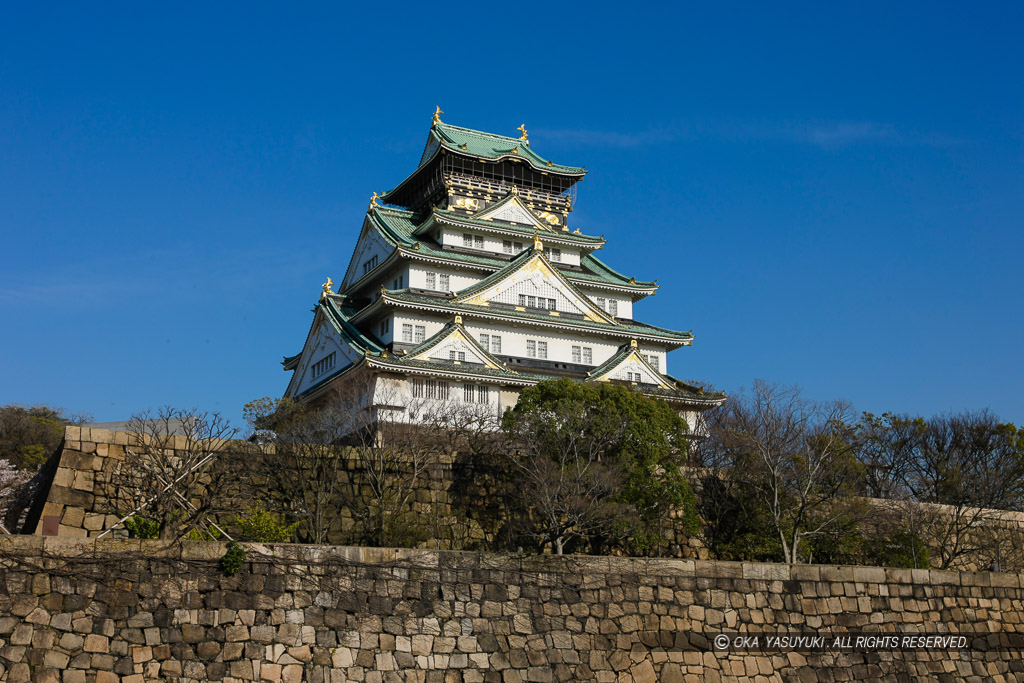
[
  {"x": 324, "y": 354},
  {"x": 456, "y": 345},
  {"x": 370, "y": 246},
  {"x": 631, "y": 367},
  {"x": 512, "y": 210},
  {"x": 534, "y": 284}
]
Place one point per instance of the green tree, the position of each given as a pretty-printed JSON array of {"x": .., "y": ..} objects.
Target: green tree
[
  {"x": 603, "y": 465},
  {"x": 30, "y": 434}
]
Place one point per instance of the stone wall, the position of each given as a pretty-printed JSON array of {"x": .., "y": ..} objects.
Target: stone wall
[
  {"x": 458, "y": 506},
  {"x": 84, "y": 611}
]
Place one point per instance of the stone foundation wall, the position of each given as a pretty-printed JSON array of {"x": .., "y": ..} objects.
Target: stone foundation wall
[{"x": 80, "y": 610}]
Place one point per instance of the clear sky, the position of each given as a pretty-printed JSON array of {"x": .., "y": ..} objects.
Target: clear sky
[{"x": 829, "y": 194}]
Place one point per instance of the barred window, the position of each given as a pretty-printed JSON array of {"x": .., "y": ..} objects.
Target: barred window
[
  {"x": 542, "y": 349},
  {"x": 518, "y": 247},
  {"x": 588, "y": 355},
  {"x": 324, "y": 364},
  {"x": 406, "y": 333},
  {"x": 522, "y": 300},
  {"x": 431, "y": 280},
  {"x": 485, "y": 342},
  {"x": 421, "y": 334},
  {"x": 613, "y": 307},
  {"x": 456, "y": 355},
  {"x": 468, "y": 393},
  {"x": 553, "y": 254},
  {"x": 531, "y": 301},
  {"x": 600, "y": 302},
  {"x": 369, "y": 265},
  {"x": 442, "y": 391},
  {"x": 506, "y": 246},
  {"x": 417, "y": 388},
  {"x": 575, "y": 354},
  {"x": 478, "y": 241},
  {"x": 444, "y": 283},
  {"x": 482, "y": 394},
  {"x": 495, "y": 343},
  {"x": 551, "y": 304},
  {"x": 531, "y": 348},
  {"x": 467, "y": 240}
]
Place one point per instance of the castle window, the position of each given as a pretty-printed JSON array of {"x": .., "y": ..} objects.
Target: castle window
[
  {"x": 467, "y": 240},
  {"x": 478, "y": 242},
  {"x": 444, "y": 283},
  {"x": 468, "y": 393},
  {"x": 421, "y": 334},
  {"x": 431, "y": 280},
  {"x": 531, "y": 348},
  {"x": 482, "y": 394},
  {"x": 417, "y": 388},
  {"x": 588, "y": 355},
  {"x": 613, "y": 307},
  {"x": 542, "y": 349},
  {"x": 324, "y": 364},
  {"x": 457, "y": 355},
  {"x": 553, "y": 254},
  {"x": 485, "y": 341},
  {"x": 495, "y": 343},
  {"x": 407, "y": 333},
  {"x": 575, "y": 354},
  {"x": 369, "y": 265},
  {"x": 506, "y": 246},
  {"x": 653, "y": 360},
  {"x": 518, "y": 247},
  {"x": 600, "y": 302}
]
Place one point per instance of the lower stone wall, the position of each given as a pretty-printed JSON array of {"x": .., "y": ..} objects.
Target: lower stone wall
[{"x": 84, "y": 611}]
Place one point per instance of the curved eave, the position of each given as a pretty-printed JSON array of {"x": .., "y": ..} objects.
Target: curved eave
[
  {"x": 555, "y": 322},
  {"x": 379, "y": 363}
]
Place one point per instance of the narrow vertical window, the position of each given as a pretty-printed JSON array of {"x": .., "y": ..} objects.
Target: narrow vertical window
[
  {"x": 431, "y": 280},
  {"x": 542, "y": 349},
  {"x": 519, "y": 247},
  {"x": 575, "y": 354},
  {"x": 445, "y": 283},
  {"x": 467, "y": 241},
  {"x": 442, "y": 391},
  {"x": 495, "y": 343},
  {"x": 478, "y": 241},
  {"x": 483, "y": 394},
  {"x": 653, "y": 360},
  {"x": 468, "y": 393},
  {"x": 613, "y": 307},
  {"x": 506, "y": 246},
  {"x": 485, "y": 341},
  {"x": 406, "y": 333},
  {"x": 417, "y": 388},
  {"x": 531, "y": 348},
  {"x": 531, "y": 301},
  {"x": 522, "y": 300},
  {"x": 421, "y": 334},
  {"x": 600, "y": 302},
  {"x": 588, "y": 355}
]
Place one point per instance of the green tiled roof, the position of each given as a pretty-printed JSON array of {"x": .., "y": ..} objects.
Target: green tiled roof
[
  {"x": 624, "y": 329},
  {"x": 397, "y": 227},
  {"x": 490, "y": 146}
]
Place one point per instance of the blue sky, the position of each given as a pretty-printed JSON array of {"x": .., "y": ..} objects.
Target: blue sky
[{"x": 829, "y": 194}]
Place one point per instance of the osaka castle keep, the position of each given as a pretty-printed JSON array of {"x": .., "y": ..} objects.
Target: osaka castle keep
[{"x": 468, "y": 283}]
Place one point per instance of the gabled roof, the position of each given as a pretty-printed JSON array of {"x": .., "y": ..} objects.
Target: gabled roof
[
  {"x": 476, "y": 143},
  {"x": 484, "y": 147},
  {"x": 665, "y": 386},
  {"x": 532, "y": 264},
  {"x": 398, "y": 227},
  {"x": 454, "y": 331},
  {"x": 623, "y": 330}
]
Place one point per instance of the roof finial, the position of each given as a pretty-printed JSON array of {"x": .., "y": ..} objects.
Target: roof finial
[
  {"x": 327, "y": 288},
  {"x": 373, "y": 200},
  {"x": 632, "y": 343},
  {"x": 523, "y": 137},
  {"x": 437, "y": 115},
  {"x": 537, "y": 244}
]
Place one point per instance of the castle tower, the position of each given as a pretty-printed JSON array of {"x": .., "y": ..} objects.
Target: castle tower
[{"x": 467, "y": 284}]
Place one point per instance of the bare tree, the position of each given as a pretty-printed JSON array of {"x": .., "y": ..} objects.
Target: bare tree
[
  {"x": 178, "y": 473},
  {"x": 796, "y": 455}
]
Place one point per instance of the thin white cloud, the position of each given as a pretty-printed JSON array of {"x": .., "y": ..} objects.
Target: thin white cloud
[{"x": 829, "y": 135}]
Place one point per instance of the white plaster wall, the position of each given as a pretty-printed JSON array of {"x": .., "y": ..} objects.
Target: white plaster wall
[
  {"x": 513, "y": 342},
  {"x": 495, "y": 243},
  {"x": 458, "y": 279}
]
